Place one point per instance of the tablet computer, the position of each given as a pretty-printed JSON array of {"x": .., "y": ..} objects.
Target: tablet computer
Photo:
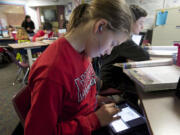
[{"x": 129, "y": 120}]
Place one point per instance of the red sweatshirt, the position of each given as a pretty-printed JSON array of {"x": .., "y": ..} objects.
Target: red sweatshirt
[
  {"x": 41, "y": 33},
  {"x": 63, "y": 93}
]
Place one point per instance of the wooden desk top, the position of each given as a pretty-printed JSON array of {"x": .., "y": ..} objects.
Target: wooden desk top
[
  {"x": 155, "y": 78},
  {"x": 48, "y": 41},
  {"x": 28, "y": 45},
  {"x": 162, "y": 111}
]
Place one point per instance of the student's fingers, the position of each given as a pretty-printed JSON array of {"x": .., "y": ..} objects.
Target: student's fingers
[
  {"x": 110, "y": 105},
  {"x": 110, "y": 101},
  {"x": 113, "y": 111},
  {"x": 116, "y": 118}
]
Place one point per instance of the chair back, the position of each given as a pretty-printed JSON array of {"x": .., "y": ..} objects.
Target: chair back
[{"x": 22, "y": 102}]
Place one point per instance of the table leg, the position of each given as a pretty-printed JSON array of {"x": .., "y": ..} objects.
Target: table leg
[{"x": 29, "y": 56}]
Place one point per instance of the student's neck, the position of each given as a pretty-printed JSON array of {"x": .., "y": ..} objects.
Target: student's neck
[{"x": 77, "y": 39}]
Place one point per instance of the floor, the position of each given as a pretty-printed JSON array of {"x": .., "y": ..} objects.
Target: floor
[{"x": 8, "y": 117}]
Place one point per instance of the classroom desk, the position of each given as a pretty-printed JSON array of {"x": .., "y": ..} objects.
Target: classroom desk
[
  {"x": 28, "y": 46},
  {"x": 162, "y": 111},
  {"x": 3, "y": 39}
]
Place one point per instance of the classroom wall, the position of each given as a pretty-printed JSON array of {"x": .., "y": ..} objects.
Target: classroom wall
[
  {"x": 31, "y": 7},
  {"x": 14, "y": 19},
  {"x": 151, "y": 6},
  {"x": 11, "y": 15}
]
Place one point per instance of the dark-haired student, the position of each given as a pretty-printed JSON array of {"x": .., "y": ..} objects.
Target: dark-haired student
[
  {"x": 62, "y": 80},
  {"x": 112, "y": 76},
  {"x": 45, "y": 33}
]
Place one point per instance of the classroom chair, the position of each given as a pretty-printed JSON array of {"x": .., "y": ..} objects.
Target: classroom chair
[
  {"x": 21, "y": 102},
  {"x": 22, "y": 67},
  {"x": 4, "y": 58}
]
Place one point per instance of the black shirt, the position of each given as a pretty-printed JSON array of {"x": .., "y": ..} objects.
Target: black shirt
[
  {"x": 30, "y": 25},
  {"x": 112, "y": 76}
]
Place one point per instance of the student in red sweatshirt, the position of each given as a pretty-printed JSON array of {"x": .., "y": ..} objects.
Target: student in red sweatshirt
[
  {"x": 62, "y": 80},
  {"x": 45, "y": 33}
]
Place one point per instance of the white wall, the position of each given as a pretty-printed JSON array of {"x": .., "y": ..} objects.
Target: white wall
[{"x": 151, "y": 6}]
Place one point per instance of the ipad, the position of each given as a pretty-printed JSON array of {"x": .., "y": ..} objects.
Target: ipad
[{"x": 129, "y": 120}]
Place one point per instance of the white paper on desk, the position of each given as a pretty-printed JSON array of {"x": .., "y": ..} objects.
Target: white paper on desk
[
  {"x": 162, "y": 53},
  {"x": 163, "y": 74},
  {"x": 127, "y": 114},
  {"x": 119, "y": 125}
]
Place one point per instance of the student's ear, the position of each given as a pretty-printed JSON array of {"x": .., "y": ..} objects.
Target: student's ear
[{"x": 100, "y": 26}]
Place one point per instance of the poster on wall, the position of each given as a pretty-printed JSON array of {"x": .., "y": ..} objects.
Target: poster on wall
[
  {"x": 161, "y": 18},
  {"x": 68, "y": 10}
]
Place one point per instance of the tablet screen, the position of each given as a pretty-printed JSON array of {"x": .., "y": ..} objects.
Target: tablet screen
[
  {"x": 119, "y": 125},
  {"x": 137, "y": 39},
  {"x": 126, "y": 114}
]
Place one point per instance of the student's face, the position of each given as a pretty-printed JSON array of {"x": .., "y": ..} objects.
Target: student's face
[
  {"x": 138, "y": 25},
  {"x": 47, "y": 31},
  {"x": 104, "y": 42},
  {"x": 28, "y": 19}
]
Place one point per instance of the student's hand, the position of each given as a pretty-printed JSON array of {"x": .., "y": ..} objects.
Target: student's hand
[
  {"x": 45, "y": 36},
  {"x": 28, "y": 28},
  {"x": 40, "y": 38},
  {"x": 103, "y": 99},
  {"x": 106, "y": 112}
]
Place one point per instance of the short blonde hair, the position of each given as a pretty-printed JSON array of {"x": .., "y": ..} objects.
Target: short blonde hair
[
  {"x": 116, "y": 12},
  {"x": 22, "y": 34}
]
